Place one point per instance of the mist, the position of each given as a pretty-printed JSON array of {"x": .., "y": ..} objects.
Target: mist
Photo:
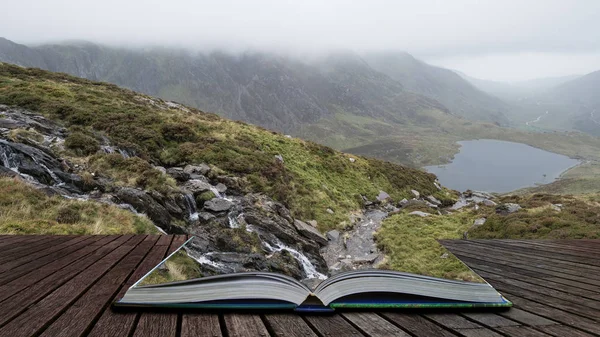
[{"x": 497, "y": 40}]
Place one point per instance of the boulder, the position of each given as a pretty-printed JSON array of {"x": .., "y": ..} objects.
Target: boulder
[
  {"x": 161, "y": 169},
  {"x": 556, "y": 207},
  {"x": 221, "y": 188},
  {"x": 367, "y": 259},
  {"x": 419, "y": 213},
  {"x": 279, "y": 158},
  {"x": 201, "y": 169},
  {"x": 434, "y": 200},
  {"x": 144, "y": 203},
  {"x": 488, "y": 202},
  {"x": 383, "y": 196},
  {"x": 205, "y": 216},
  {"x": 218, "y": 205},
  {"x": 313, "y": 223},
  {"x": 437, "y": 185},
  {"x": 329, "y": 210},
  {"x": 310, "y": 232},
  {"x": 196, "y": 186},
  {"x": 430, "y": 204},
  {"x": 416, "y": 194},
  {"x": 333, "y": 235},
  {"x": 402, "y": 202},
  {"x": 178, "y": 174},
  {"x": 507, "y": 208},
  {"x": 479, "y": 222},
  {"x": 352, "y": 160}
]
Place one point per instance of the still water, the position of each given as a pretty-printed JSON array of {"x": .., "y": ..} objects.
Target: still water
[{"x": 499, "y": 166}]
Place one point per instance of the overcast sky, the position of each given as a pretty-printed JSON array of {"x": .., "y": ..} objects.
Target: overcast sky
[{"x": 499, "y": 40}]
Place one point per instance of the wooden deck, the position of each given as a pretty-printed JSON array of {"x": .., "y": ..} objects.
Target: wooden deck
[{"x": 64, "y": 285}]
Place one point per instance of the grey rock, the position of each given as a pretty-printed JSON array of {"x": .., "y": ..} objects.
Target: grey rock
[
  {"x": 313, "y": 223},
  {"x": 196, "y": 186},
  {"x": 437, "y": 185},
  {"x": 178, "y": 174},
  {"x": 430, "y": 204},
  {"x": 218, "y": 205},
  {"x": 279, "y": 158},
  {"x": 434, "y": 200},
  {"x": 205, "y": 216},
  {"x": 444, "y": 256},
  {"x": 333, "y": 235},
  {"x": 310, "y": 232},
  {"x": 419, "y": 213},
  {"x": 383, "y": 196},
  {"x": 352, "y": 160},
  {"x": 416, "y": 194},
  {"x": 479, "y": 222},
  {"x": 144, "y": 203},
  {"x": 488, "y": 202},
  {"x": 330, "y": 211},
  {"x": 402, "y": 202},
  {"x": 201, "y": 169},
  {"x": 555, "y": 207},
  {"x": 368, "y": 259},
  {"x": 161, "y": 169},
  {"x": 507, "y": 208},
  {"x": 221, "y": 188}
]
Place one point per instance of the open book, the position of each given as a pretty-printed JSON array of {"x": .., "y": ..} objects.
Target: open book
[{"x": 176, "y": 282}]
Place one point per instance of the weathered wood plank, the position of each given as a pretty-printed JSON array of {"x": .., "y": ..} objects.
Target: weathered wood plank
[
  {"x": 81, "y": 250},
  {"x": 21, "y": 300},
  {"x": 37, "y": 316},
  {"x": 200, "y": 324},
  {"x": 489, "y": 319},
  {"x": 478, "y": 332},
  {"x": 289, "y": 324},
  {"x": 522, "y": 331},
  {"x": 558, "y": 315},
  {"x": 373, "y": 325},
  {"x": 563, "y": 331},
  {"x": 26, "y": 249},
  {"x": 244, "y": 325},
  {"x": 417, "y": 325},
  {"x": 114, "y": 324},
  {"x": 23, "y": 242},
  {"x": 156, "y": 325},
  {"x": 527, "y": 318},
  {"x": 178, "y": 241},
  {"x": 333, "y": 325},
  {"x": 82, "y": 313}
]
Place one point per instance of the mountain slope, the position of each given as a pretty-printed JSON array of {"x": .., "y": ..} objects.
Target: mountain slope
[{"x": 441, "y": 84}]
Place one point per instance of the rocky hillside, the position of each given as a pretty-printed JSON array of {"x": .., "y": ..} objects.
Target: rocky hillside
[{"x": 242, "y": 190}]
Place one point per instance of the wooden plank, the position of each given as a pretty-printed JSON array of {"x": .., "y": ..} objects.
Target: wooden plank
[
  {"x": 479, "y": 332},
  {"x": 289, "y": 324},
  {"x": 200, "y": 324},
  {"x": 60, "y": 250},
  {"x": 563, "y": 331},
  {"x": 372, "y": 324},
  {"x": 567, "y": 272},
  {"x": 164, "y": 240},
  {"x": 417, "y": 325},
  {"x": 567, "y": 302},
  {"x": 566, "y": 318},
  {"x": 178, "y": 241},
  {"x": 26, "y": 249},
  {"x": 79, "y": 251},
  {"x": 569, "y": 245},
  {"x": 82, "y": 313},
  {"x": 114, "y": 324},
  {"x": 525, "y": 317},
  {"x": 37, "y": 316},
  {"x": 333, "y": 325},
  {"x": 244, "y": 325},
  {"x": 19, "y": 302},
  {"x": 156, "y": 325},
  {"x": 20, "y": 241},
  {"x": 521, "y": 331},
  {"x": 489, "y": 319}
]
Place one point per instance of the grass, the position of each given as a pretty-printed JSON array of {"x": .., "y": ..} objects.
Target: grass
[
  {"x": 311, "y": 179},
  {"x": 179, "y": 267},
  {"x": 579, "y": 180},
  {"x": 26, "y": 210},
  {"x": 410, "y": 244}
]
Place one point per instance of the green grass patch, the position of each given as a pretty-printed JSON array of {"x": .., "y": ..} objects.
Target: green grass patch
[{"x": 25, "y": 210}]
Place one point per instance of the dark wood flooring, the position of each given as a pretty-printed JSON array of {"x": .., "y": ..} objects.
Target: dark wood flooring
[{"x": 64, "y": 285}]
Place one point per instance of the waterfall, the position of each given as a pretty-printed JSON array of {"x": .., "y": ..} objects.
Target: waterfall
[
  {"x": 57, "y": 180},
  {"x": 191, "y": 204},
  {"x": 202, "y": 259},
  {"x": 234, "y": 221},
  {"x": 215, "y": 192},
  {"x": 8, "y": 158},
  {"x": 308, "y": 268}
]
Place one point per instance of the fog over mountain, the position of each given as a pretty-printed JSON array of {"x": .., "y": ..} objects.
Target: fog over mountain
[{"x": 498, "y": 40}]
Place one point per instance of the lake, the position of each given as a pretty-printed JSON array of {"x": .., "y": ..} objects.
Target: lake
[{"x": 499, "y": 166}]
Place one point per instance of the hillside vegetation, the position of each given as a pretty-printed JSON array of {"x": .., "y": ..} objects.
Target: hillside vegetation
[
  {"x": 311, "y": 178},
  {"x": 26, "y": 210}
]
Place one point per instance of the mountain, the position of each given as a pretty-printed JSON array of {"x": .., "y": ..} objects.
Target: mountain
[{"x": 443, "y": 85}]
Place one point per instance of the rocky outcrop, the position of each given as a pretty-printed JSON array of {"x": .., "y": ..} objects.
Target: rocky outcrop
[
  {"x": 507, "y": 208},
  {"x": 218, "y": 205},
  {"x": 310, "y": 232},
  {"x": 142, "y": 202}
]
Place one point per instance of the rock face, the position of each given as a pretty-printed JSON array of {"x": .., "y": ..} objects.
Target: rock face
[
  {"x": 144, "y": 203},
  {"x": 508, "y": 208},
  {"x": 310, "y": 232},
  {"x": 218, "y": 205},
  {"x": 433, "y": 200},
  {"x": 178, "y": 174}
]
